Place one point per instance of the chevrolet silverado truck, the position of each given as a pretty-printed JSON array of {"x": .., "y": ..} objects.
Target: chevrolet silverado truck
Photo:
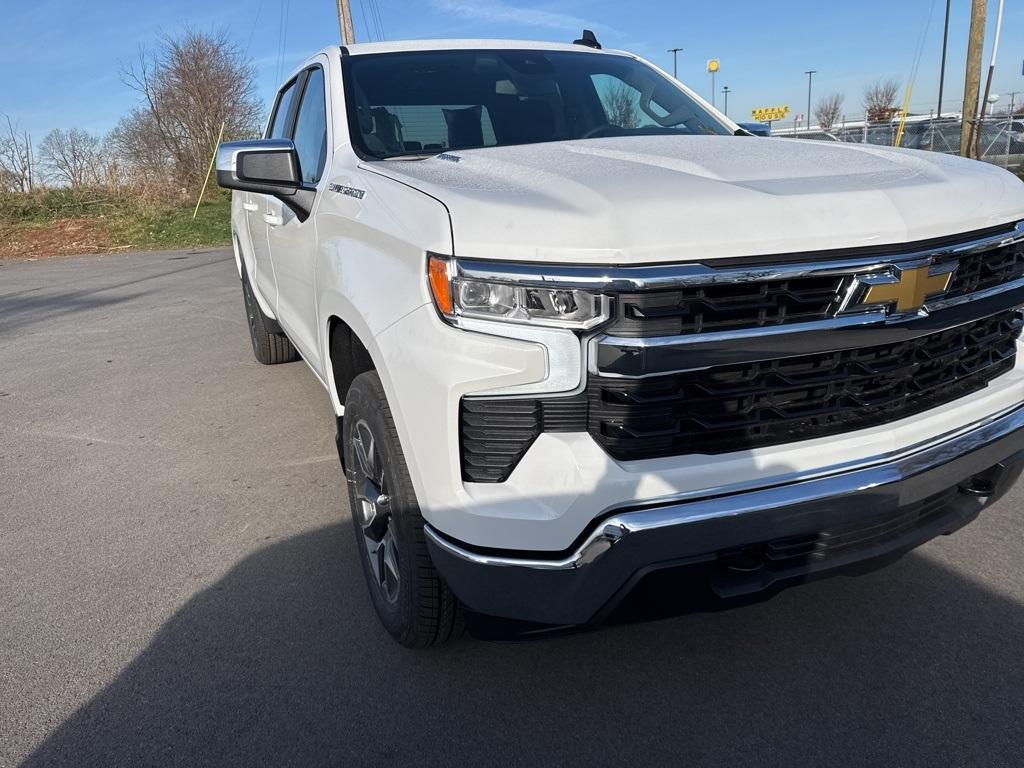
[{"x": 579, "y": 328}]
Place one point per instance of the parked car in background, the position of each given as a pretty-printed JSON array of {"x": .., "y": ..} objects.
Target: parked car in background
[
  {"x": 758, "y": 129},
  {"x": 1015, "y": 128},
  {"x": 578, "y": 329}
]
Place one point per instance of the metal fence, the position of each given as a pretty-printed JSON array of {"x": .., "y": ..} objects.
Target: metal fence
[{"x": 1001, "y": 143}]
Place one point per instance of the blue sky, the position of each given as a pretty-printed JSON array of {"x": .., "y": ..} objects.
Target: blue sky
[{"x": 60, "y": 59}]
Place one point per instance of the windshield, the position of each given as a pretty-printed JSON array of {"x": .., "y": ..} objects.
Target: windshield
[{"x": 426, "y": 102}]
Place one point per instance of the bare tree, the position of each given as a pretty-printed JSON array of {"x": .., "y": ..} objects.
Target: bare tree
[
  {"x": 15, "y": 157},
  {"x": 621, "y": 106},
  {"x": 136, "y": 145},
  {"x": 880, "y": 100},
  {"x": 71, "y": 156},
  {"x": 190, "y": 84},
  {"x": 828, "y": 111}
]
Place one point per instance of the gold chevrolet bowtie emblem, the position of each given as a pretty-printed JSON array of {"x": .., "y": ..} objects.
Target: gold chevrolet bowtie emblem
[{"x": 910, "y": 290}]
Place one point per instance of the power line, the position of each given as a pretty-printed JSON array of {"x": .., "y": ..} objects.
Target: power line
[
  {"x": 377, "y": 20},
  {"x": 281, "y": 23},
  {"x": 366, "y": 22},
  {"x": 913, "y": 71},
  {"x": 252, "y": 32}
]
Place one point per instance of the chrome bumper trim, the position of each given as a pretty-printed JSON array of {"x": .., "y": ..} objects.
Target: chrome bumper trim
[{"x": 836, "y": 481}]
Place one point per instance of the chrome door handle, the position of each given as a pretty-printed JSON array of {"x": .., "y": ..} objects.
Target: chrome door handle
[
  {"x": 250, "y": 207},
  {"x": 272, "y": 219}
]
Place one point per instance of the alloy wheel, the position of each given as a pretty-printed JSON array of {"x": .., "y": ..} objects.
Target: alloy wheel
[{"x": 373, "y": 509}]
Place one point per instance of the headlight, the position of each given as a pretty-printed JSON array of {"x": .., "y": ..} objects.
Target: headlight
[{"x": 457, "y": 297}]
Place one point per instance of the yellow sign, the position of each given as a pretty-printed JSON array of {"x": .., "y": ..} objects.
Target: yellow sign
[
  {"x": 769, "y": 114},
  {"x": 713, "y": 65},
  {"x": 910, "y": 291}
]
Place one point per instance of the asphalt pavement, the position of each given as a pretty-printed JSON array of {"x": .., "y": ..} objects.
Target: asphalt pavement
[{"x": 179, "y": 586}]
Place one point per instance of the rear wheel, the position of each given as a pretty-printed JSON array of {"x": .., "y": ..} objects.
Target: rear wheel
[
  {"x": 412, "y": 601},
  {"x": 269, "y": 348}
]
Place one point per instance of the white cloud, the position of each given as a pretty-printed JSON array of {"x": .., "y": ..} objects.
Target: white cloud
[{"x": 496, "y": 12}]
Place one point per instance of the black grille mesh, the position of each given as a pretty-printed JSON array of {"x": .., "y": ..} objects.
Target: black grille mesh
[
  {"x": 744, "y": 406},
  {"x": 979, "y": 271},
  {"x": 726, "y": 307}
]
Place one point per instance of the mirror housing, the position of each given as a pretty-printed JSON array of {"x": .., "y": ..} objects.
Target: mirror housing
[{"x": 267, "y": 167}]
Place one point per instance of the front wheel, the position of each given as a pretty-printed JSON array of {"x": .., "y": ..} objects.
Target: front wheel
[{"x": 411, "y": 599}]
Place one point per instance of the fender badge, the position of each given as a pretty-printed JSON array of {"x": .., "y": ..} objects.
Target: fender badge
[{"x": 358, "y": 194}]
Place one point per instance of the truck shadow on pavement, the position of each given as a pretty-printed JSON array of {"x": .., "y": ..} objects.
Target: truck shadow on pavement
[
  {"x": 282, "y": 663},
  {"x": 43, "y": 304},
  {"x": 17, "y": 313}
]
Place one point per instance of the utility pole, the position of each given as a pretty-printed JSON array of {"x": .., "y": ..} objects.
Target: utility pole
[
  {"x": 348, "y": 35},
  {"x": 972, "y": 82},
  {"x": 810, "y": 77},
  {"x": 726, "y": 90},
  {"x": 942, "y": 70},
  {"x": 991, "y": 72},
  {"x": 28, "y": 148},
  {"x": 675, "y": 61}
]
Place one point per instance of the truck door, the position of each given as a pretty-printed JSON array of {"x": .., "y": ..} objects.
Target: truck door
[
  {"x": 293, "y": 243},
  {"x": 258, "y": 207}
]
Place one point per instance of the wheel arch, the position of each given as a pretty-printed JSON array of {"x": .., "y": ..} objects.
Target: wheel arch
[{"x": 348, "y": 356}]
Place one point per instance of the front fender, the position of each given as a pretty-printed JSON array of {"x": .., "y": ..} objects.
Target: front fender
[{"x": 371, "y": 265}]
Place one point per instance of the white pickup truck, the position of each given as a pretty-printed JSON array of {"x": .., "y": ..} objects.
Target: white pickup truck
[{"x": 579, "y": 328}]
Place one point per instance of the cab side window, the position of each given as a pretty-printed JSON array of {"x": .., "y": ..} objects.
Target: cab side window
[
  {"x": 278, "y": 127},
  {"x": 311, "y": 128}
]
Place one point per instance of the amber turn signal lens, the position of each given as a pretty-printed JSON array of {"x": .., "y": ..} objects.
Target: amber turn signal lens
[{"x": 440, "y": 287}]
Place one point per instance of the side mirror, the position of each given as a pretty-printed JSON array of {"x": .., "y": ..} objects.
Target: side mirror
[{"x": 265, "y": 166}]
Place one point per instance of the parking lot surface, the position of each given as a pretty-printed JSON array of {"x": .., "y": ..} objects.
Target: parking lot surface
[{"x": 179, "y": 586}]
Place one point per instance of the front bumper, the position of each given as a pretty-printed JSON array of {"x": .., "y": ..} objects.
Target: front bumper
[{"x": 755, "y": 541}]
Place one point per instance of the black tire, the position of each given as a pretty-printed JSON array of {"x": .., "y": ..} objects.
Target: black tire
[
  {"x": 268, "y": 347},
  {"x": 413, "y": 602}
]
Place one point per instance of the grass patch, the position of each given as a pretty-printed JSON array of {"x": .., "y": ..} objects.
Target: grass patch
[
  {"x": 172, "y": 227},
  {"x": 63, "y": 222}
]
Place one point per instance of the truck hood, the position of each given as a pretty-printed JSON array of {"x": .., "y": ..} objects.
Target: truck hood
[{"x": 634, "y": 200}]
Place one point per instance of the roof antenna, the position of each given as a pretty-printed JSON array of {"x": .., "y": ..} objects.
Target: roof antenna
[{"x": 588, "y": 40}]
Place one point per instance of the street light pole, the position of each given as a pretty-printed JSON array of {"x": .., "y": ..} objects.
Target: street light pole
[
  {"x": 675, "y": 69},
  {"x": 726, "y": 91},
  {"x": 810, "y": 77},
  {"x": 942, "y": 70}
]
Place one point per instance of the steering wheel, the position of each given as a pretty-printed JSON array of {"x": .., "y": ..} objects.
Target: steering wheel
[{"x": 606, "y": 129}]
